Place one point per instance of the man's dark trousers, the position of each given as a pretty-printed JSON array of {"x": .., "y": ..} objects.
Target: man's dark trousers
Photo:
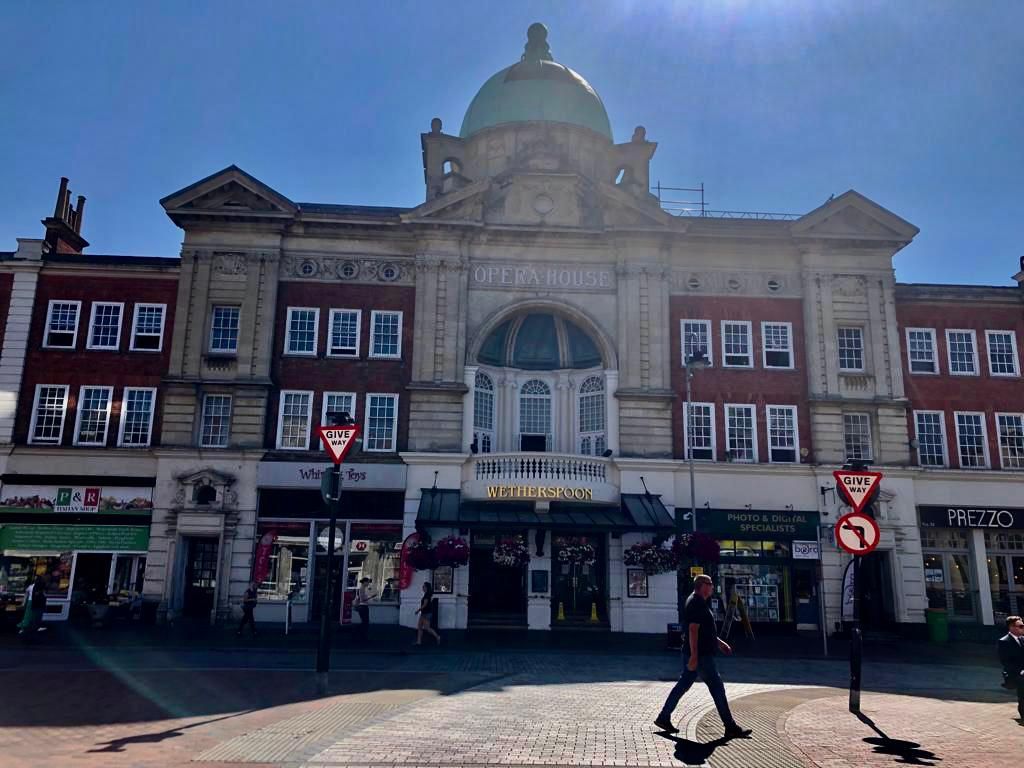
[
  {"x": 708, "y": 672},
  {"x": 364, "y": 619}
]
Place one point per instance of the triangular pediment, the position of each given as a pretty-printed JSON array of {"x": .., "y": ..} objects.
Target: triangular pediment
[
  {"x": 463, "y": 205},
  {"x": 621, "y": 210},
  {"x": 229, "y": 192},
  {"x": 851, "y": 216}
]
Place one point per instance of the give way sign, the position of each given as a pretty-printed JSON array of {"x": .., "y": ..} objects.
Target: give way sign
[
  {"x": 857, "y": 488},
  {"x": 338, "y": 440}
]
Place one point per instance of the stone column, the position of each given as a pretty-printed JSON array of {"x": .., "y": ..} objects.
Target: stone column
[
  {"x": 467, "y": 407},
  {"x": 562, "y": 418},
  {"x": 12, "y": 358},
  {"x": 611, "y": 383},
  {"x": 979, "y": 576}
]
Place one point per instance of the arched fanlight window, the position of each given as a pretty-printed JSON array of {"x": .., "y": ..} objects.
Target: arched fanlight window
[
  {"x": 591, "y": 409},
  {"x": 483, "y": 413},
  {"x": 535, "y": 416}
]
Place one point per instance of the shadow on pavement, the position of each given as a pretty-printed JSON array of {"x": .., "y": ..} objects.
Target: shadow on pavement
[
  {"x": 906, "y": 752},
  {"x": 119, "y": 745},
  {"x": 694, "y": 752}
]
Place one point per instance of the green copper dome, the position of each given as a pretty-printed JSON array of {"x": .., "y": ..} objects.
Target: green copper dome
[{"x": 537, "y": 88}]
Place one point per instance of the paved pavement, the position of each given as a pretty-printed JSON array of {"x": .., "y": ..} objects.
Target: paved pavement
[{"x": 146, "y": 706}]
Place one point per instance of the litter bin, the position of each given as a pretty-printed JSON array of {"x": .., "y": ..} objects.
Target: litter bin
[{"x": 938, "y": 625}]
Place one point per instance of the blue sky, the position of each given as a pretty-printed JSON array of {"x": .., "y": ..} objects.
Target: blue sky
[{"x": 772, "y": 104}]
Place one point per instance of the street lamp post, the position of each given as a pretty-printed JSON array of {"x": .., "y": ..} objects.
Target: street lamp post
[{"x": 698, "y": 360}]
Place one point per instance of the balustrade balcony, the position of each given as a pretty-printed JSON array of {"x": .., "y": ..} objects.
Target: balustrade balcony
[{"x": 547, "y": 470}]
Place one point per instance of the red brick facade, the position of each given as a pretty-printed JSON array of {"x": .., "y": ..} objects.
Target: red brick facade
[
  {"x": 81, "y": 366},
  {"x": 332, "y": 374},
  {"x": 759, "y": 386},
  {"x": 948, "y": 393}
]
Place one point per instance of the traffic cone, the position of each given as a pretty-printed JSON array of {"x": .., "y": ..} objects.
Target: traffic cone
[
  {"x": 561, "y": 611},
  {"x": 593, "y": 612}
]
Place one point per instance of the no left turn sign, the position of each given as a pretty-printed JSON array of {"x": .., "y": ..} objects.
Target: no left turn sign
[{"x": 857, "y": 533}]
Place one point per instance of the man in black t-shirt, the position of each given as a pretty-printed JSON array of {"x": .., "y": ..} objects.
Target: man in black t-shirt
[{"x": 700, "y": 644}]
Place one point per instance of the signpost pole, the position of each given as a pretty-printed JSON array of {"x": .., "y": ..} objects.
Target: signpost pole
[
  {"x": 323, "y": 654},
  {"x": 856, "y": 641}
]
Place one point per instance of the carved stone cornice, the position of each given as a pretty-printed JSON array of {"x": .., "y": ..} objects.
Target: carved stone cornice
[
  {"x": 735, "y": 283},
  {"x": 349, "y": 269}
]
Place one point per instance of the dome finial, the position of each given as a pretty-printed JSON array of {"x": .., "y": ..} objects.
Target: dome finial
[{"x": 537, "y": 48}]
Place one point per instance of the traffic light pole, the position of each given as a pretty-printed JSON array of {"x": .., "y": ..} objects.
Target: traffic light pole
[{"x": 323, "y": 653}]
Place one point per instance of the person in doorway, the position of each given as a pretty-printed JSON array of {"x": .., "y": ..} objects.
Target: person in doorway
[
  {"x": 35, "y": 606},
  {"x": 700, "y": 644},
  {"x": 249, "y": 600},
  {"x": 1011, "y": 656},
  {"x": 362, "y": 605},
  {"x": 388, "y": 594},
  {"x": 426, "y": 614}
]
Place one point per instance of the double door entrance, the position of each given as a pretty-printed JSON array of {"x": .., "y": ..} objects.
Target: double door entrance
[
  {"x": 497, "y": 586},
  {"x": 579, "y": 594}
]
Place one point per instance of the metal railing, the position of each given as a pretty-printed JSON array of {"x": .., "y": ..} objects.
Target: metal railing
[{"x": 697, "y": 206}]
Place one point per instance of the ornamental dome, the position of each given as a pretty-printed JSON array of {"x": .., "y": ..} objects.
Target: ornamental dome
[{"x": 536, "y": 89}]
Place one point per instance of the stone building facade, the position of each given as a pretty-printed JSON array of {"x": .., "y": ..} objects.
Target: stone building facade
[{"x": 514, "y": 350}]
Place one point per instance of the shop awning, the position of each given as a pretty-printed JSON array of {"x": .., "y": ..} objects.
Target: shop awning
[{"x": 636, "y": 512}]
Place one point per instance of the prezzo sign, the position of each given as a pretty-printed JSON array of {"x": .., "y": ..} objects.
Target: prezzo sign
[
  {"x": 550, "y": 277},
  {"x": 294, "y": 474},
  {"x": 970, "y": 517}
]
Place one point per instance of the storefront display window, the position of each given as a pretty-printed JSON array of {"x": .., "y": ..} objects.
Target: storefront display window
[
  {"x": 374, "y": 553},
  {"x": 765, "y": 589},
  {"x": 18, "y": 570},
  {"x": 281, "y": 562}
]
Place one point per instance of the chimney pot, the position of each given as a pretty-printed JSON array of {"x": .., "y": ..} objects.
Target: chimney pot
[
  {"x": 79, "y": 210},
  {"x": 58, "y": 209}
]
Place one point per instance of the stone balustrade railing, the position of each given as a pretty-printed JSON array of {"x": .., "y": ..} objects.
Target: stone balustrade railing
[{"x": 540, "y": 467}]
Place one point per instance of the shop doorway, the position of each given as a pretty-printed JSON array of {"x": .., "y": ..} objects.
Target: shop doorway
[
  {"x": 92, "y": 578},
  {"x": 877, "y": 607},
  {"x": 200, "y": 577},
  {"x": 579, "y": 594},
  {"x": 497, "y": 592}
]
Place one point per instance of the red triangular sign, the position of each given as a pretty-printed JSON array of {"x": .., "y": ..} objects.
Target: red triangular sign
[
  {"x": 338, "y": 440},
  {"x": 857, "y": 488}
]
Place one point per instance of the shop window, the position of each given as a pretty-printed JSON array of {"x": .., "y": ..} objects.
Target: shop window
[
  {"x": 1002, "y": 353},
  {"x": 483, "y": 413},
  {"x": 783, "y": 438},
  {"x": 857, "y": 436},
  {"x": 1005, "y": 540},
  {"x": 105, "y": 326},
  {"x": 736, "y": 346},
  {"x": 741, "y": 433},
  {"x": 778, "y": 344},
  {"x": 62, "y": 324},
  {"x": 224, "y": 330},
  {"x": 374, "y": 554},
  {"x": 851, "y": 349},
  {"x": 385, "y": 334},
  {"x": 129, "y": 574},
  {"x": 765, "y": 589},
  {"x": 344, "y": 337},
  {"x": 972, "y": 440},
  {"x": 1011, "y": 440},
  {"x": 300, "y": 336},
  {"x": 921, "y": 350},
  {"x": 963, "y": 352},
  {"x": 943, "y": 538},
  {"x": 48, "y": 414},
  {"x": 699, "y": 423},
  {"x": 281, "y": 562},
  {"x": 381, "y": 422},
  {"x": 930, "y": 431},
  {"x": 17, "y": 572},
  {"x": 148, "y": 328},
  {"x": 592, "y": 417},
  {"x": 696, "y": 339}
]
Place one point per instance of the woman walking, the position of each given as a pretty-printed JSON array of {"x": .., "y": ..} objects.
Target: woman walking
[{"x": 426, "y": 612}]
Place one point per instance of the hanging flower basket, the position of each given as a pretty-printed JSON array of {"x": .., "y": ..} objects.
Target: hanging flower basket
[
  {"x": 512, "y": 553},
  {"x": 696, "y": 546},
  {"x": 452, "y": 551},
  {"x": 578, "y": 552},
  {"x": 421, "y": 556},
  {"x": 651, "y": 557}
]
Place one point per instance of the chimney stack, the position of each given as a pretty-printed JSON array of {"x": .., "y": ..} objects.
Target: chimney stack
[
  {"x": 64, "y": 228},
  {"x": 1019, "y": 277}
]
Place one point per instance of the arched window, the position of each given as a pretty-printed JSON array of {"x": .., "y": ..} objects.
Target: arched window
[
  {"x": 535, "y": 416},
  {"x": 451, "y": 166},
  {"x": 592, "y": 417},
  {"x": 483, "y": 413}
]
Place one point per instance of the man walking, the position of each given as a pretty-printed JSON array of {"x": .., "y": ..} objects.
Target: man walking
[
  {"x": 362, "y": 606},
  {"x": 1011, "y": 656},
  {"x": 700, "y": 644},
  {"x": 249, "y": 601}
]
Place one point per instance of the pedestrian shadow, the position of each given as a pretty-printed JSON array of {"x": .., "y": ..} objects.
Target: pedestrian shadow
[
  {"x": 694, "y": 752},
  {"x": 119, "y": 745},
  {"x": 906, "y": 752}
]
